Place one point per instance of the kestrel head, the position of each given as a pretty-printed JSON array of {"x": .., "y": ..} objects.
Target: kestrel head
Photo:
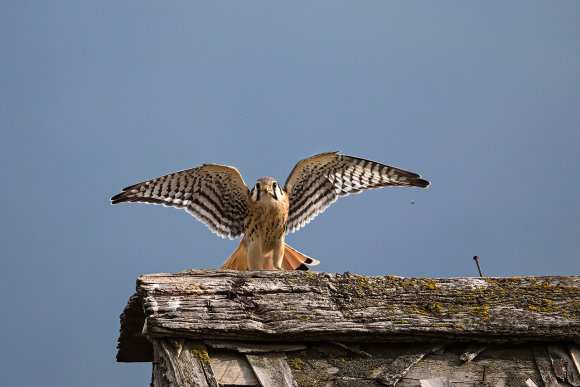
[{"x": 266, "y": 188}]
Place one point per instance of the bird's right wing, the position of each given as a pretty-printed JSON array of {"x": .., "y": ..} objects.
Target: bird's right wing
[{"x": 215, "y": 194}]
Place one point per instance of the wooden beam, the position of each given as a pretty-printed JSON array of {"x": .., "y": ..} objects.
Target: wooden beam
[
  {"x": 574, "y": 351},
  {"x": 307, "y": 306},
  {"x": 232, "y": 368},
  {"x": 271, "y": 369},
  {"x": 436, "y": 382},
  {"x": 247, "y": 347},
  {"x": 563, "y": 364},
  {"x": 181, "y": 363},
  {"x": 392, "y": 373},
  {"x": 544, "y": 366},
  {"x": 471, "y": 352}
]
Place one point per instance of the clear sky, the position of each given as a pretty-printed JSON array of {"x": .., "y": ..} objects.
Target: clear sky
[{"x": 481, "y": 98}]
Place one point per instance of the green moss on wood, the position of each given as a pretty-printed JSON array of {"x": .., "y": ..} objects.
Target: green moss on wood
[
  {"x": 297, "y": 362},
  {"x": 200, "y": 352}
]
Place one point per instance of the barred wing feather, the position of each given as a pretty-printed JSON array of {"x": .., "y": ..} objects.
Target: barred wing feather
[
  {"x": 316, "y": 182},
  {"x": 214, "y": 194}
]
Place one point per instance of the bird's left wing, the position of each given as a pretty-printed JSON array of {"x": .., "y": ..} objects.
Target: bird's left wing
[
  {"x": 316, "y": 182},
  {"x": 215, "y": 194}
]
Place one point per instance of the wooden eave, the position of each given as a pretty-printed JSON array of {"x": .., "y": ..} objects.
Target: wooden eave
[{"x": 293, "y": 307}]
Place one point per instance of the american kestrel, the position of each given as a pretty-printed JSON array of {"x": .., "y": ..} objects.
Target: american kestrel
[{"x": 217, "y": 196}]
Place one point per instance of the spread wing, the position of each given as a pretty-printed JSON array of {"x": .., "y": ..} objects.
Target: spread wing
[
  {"x": 316, "y": 182},
  {"x": 215, "y": 194}
]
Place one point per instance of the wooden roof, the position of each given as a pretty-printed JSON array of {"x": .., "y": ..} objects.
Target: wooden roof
[{"x": 291, "y": 319}]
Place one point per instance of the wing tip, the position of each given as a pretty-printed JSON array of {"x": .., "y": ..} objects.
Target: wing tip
[
  {"x": 127, "y": 196},
  {"x": 422, "y": 183},
  {"x": 118, "y": 198}
]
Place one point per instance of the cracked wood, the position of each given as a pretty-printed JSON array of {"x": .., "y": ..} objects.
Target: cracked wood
[{"x": 306, "y": 306}]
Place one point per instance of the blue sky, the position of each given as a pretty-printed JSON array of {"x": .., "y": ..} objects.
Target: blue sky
[{"x": 481, "y": 98}]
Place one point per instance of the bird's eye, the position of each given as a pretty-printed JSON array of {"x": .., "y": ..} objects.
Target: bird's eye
[
  {"x": 274, "y": 185},
  {"x": 258, "y": 186}
]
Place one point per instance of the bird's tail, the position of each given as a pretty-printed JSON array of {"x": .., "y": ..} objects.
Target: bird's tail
[
  {"x": 293, "y": 259},
  {"x": 238, "y": 260}
]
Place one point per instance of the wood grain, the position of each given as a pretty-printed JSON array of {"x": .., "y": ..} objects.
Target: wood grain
[
  {"x": 471, "y": 352},
  {"x": 307, "y": 306},
  {"x": 544, "y": 366},
  {"x": 247, "y": 347},
  {"x": 231, "y": 368},
  {"x": 393, "y": 372},
  {"x": 563, "y": 364},
  {"x": 272, "y": 369},
  {"x": 181, "y": 363},
  {"x": 436, "y": 382}
]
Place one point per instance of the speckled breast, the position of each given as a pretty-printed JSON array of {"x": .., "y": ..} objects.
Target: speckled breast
[{"x": 267, "y": 222}]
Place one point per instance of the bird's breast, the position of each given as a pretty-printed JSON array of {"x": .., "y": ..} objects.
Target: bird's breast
[{"x": 266, "y": 222}]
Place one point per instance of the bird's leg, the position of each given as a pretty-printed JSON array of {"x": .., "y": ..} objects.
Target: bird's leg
[
  {"x": 278, "y": 255},
  {"x": 255, "y": 256}
]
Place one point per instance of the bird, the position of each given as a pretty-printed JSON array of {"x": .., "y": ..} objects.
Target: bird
[{"x": 263, "y": 215}]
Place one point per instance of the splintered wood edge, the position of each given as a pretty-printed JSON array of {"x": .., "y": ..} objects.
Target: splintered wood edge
[{"x": 133, "y": 345}]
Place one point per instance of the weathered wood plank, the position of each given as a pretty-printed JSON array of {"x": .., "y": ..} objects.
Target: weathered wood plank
[
  {"x": 322, "y": 364},
  {"x": 232, "y": 368},
  {"x": 436, "y": 382},
  {"x": 471, "y": 352},
  {"x": 530, "y": 383},
  {"x": 503, "y": 365},
  {"x": 305, "y": 306},
  {"x": 356, "y": 351},
  {"x": 200, "y": 351},
  {"x": 181, "y": 363},
  {"x": 574, "y": 355},
  {"x": 245, "y": 347},
  {"x": 272, "y": 369},
  {"x": 544, "y": 366},
  {"x": 392, "y": 373},
  {"x": 563, "y": 364}
]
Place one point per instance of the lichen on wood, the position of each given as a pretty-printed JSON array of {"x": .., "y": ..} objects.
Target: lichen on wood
[{"x": 274, "y": 305}]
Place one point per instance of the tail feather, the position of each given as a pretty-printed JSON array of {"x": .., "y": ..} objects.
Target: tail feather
[
  {"x": 293, "y": 259},
  {"x": 238, "y": 260}
]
